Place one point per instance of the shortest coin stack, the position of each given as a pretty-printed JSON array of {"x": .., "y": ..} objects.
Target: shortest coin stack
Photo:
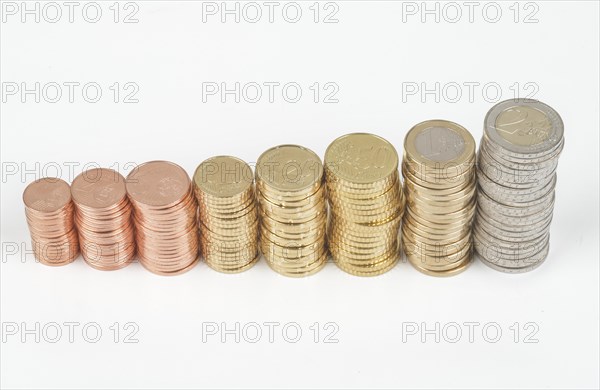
[
  {"x": 165, "y": 217},
  {"x": 224, "y": 188},
  {"x": 440, "y": 186},
  {"x": 103, "y": 219},
  {"x": 49, "y": 212},
  {"x": 291, "y": 195},
  {"x": 517, "y": 161}
]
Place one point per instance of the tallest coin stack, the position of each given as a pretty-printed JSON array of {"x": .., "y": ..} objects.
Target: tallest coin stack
[{"x": 517, "y": 160}]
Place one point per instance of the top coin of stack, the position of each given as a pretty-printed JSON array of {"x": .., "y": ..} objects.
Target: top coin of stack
[
  {"x": 228, "y": 216},
  {"x": 439, "y": 178},
  {"x": 103, "y": 219},
  {"x": 517, "y": 160},
  {"x": 365, "y": 194},
  {"x": 165, "y": 217},
  {"x": 49, "y": 211},
  {"x": 291, "y": 195}
]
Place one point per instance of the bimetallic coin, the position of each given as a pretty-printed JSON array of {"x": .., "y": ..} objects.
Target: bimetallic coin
[
  {"x": 439, "y": 171},
  {"x": 518, "y": 158},
  {"x": 524, "y": 126}
]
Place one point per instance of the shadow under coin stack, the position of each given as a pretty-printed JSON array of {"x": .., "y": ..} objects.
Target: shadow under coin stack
[
  {"x": 440, "y": 186},
  {"x": 365, "y": 194},
  {"x": 518, "y": 156},
  {"x": 103, "y": 219},
  {"x": 224, "y": 188},
  {"x": 291, "y": 194},
  {"x": 165, "y": 217},
  {"x": 49, "y": 212}
]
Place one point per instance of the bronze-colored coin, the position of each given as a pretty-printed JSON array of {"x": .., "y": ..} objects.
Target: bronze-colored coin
[
  {"x": 47, "y": 195},
  {"x": 50, "y": 216},
  {"x": 165, "y": 217},
  {"x": 158, "y": 184},
  {"x": 103, "y": 219}
]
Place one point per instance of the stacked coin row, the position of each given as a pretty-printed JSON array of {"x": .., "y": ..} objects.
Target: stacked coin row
[
  {"x": 293, "y": 208},
  {"x": 224, "y": 188},
  {"x": 365, "y": 195},
  {"x": 439, "y": 176},
  {"x": 517, "y": 160},
  {"x": 49, "y": 211},
  {"x": 516, "y": 179},
  {"x": 103, "y": 219},
  {"x": 165, "y": 217}
]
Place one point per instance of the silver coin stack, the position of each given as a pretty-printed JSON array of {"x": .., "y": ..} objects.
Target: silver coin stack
[{"x": 517, "y": 161}]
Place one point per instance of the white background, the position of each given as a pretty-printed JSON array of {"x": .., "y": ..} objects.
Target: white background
[{"x": 372, "y": 54}]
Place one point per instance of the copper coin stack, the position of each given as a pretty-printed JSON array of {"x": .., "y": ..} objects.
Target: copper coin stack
[
  {"x": 228, "y": 216},
  {"x": 165, "y": 217},
  {"x": 293, "y": 209},
  {"x": 49, "y": 211},
  {"x": 103, "y": 219},
  {"x": 440, "y": 186},
  {"x": 365, "y": 195}
]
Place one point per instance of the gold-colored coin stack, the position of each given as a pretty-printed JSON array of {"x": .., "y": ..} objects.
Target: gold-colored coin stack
[
  {"x": 440, "y": 185},
  {"x": 49, "y": 210},
  {"x": 365, "y": 195},
  {"x": 291, "y": 194},
  {"x": 224, "y": 188},
  {"x": 103, "y": 219}
]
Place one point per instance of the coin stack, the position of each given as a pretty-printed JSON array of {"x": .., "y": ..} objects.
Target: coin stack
[
  {"x": 439, "y": 176},
  {"x": 517, "y": 162},
  {"x": 165, "y": 217},
  {"x": 49, "y": 211},
  {"x": 103, "y": 219},
  {"x": 293, "y": 209},
  {"x": 365, "y": 195},
  {"x": 224, "y": 188}
]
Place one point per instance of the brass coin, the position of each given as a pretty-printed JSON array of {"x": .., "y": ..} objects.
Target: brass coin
[{"x": 361, "y": 158}]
